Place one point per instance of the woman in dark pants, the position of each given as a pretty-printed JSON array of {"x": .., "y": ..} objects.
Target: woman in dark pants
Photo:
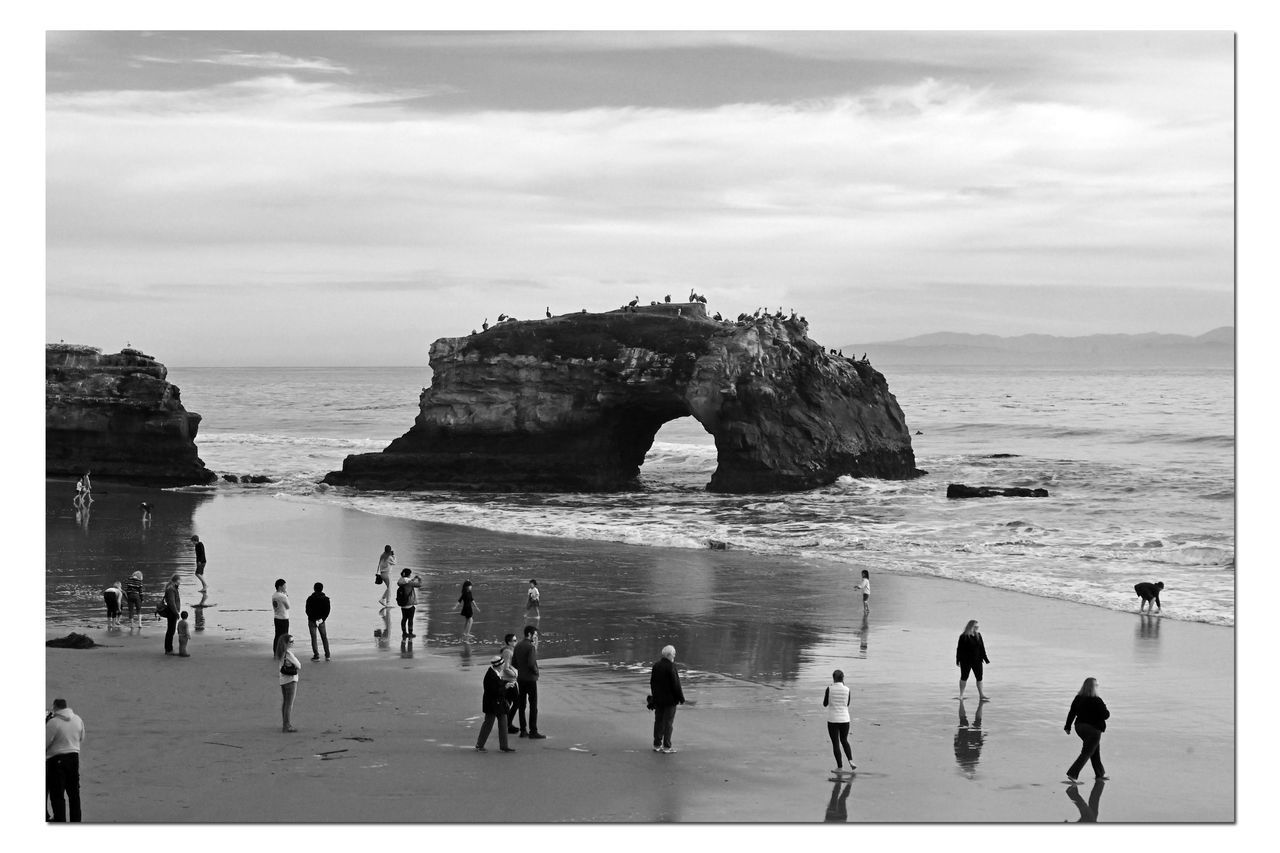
[
  {"x": 971, "y": 653},
  {"x": 1090, "y": 715}
]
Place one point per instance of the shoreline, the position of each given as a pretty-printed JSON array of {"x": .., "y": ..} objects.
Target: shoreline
[{"x": 752, "y": 748}]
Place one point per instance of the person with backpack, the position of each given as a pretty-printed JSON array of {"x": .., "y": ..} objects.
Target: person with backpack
[{"x": 407, "y": 597}]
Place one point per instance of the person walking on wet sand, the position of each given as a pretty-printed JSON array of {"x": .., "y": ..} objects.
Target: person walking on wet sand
[
  {"x": 533, "y": 606},
  {"x": 1150, "y": 595},
  {"x": 173, "y": 607},
  {"x": 836, "y": 701},
  {"x": 1090, "y": 715},
  {"x": 317, "y": 607},
  {"x": 289, "y": 675},
  {"x": 385, "y": 562},
  {"x": 664, "y": 685},
  {"x": 469, "y": 608},
  {"x": 200, "y": 561},
  {"x": 494, "y": 706},
  {"x": 971, "y": 654},
  {"x": 133, "y": 597}
]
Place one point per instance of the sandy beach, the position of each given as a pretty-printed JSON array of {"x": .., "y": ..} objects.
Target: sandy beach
[{"x": 386, "y": 732}]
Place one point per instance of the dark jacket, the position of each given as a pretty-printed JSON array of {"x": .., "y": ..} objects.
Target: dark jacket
[
  {"x": 173, "y": 599},
  {"x": 1147, "y": 591},
  {"x": 494, "y": 701},
  {"x": 971, "y": 649},
  {"x": 317, "y": 606},
  {"x": 664, "y": 684},
  {"x": 525, "y": 659},
  {"x": 1090, "y": 710}
]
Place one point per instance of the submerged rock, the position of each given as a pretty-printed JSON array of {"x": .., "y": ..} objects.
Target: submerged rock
[
  {"x": 959, "y": 490},
  {"x": 572, "y": 403},
  {"x": 116, "y": 416}
]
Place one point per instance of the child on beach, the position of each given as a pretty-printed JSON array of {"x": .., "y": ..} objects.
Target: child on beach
[
  {"x": 112, "y": 596},
  {"x": 200, "y": 561},
  {"x": 533, "y": 607},
  {"x": 836, "y": 701},
  {"x": 133, "y": 595},
  {"x": 971, "y": 654},
  {"x": 146, "y": 511},
  {"x": 1150, "y": 595},
  {"x": 469, "y": 608},
  {"x": 385, "y": 562},
  {"x": 865, "y": 586},
  {"x": 184, "y": 634}
]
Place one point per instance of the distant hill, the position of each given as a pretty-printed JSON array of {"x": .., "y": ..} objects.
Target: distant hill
[{"x": 1215, "y": 348}]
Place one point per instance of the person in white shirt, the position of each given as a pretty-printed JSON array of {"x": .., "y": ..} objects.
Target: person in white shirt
[
  {"x": 280, "y": 609},
  {"x": 836, "y": 701},
  {"x": 63, "y": 734},
  {"x": 865, "y": 586},
  {"x": 385, "y": 562}
]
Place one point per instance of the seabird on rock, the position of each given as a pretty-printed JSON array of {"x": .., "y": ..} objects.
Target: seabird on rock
[
  {"x": 548, "y": 312},
  {"x": 668, "y": 298},
  {"x": 632, "y": 303},
  {"x": 501, "y": 317},
  {"x": 485, "y": 324}
]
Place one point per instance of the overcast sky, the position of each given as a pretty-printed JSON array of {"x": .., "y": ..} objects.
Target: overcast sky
[{"x": 339, "y": 198}]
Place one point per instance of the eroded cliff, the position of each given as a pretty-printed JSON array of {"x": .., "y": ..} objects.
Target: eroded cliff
[
  {"x": 117, "y": 416},
  {"x": 572, "y": 403}
]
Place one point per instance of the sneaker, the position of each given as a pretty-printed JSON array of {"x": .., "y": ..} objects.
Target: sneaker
[
  {"x": 523, "y": 734},
  {"x": 512, "y": 730},
  {"x": 668, "y": 750},
  {"x": 1071, "y": 780},
  {"x": 657, "y": 749},
  {"x": 481, "y": 749},
  {"x": 507, "y": 749},
  {"x": 326, "y": 657},
  {"x": 536, "y": 736},
  {"x": 315, "y": 657}
]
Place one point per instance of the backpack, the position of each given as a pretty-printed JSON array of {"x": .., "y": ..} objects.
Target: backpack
[{"x": 403, "y": 594}]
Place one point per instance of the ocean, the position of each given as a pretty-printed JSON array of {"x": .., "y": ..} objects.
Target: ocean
[{"x": 1139, "y": 464}]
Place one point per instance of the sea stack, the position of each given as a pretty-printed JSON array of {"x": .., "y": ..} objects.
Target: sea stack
[
  {"x": 573, "y": 403},
  {"x": 115, "y": 415}
]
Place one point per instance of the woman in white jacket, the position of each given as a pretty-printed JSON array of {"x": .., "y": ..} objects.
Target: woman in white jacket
[{"x": 836, "y": 701}]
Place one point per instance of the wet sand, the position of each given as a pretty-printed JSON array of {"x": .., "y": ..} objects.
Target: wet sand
[{"x": 386, "y": 734}]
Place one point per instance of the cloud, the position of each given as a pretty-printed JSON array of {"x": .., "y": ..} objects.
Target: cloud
[{"x": 273, "y": 61}]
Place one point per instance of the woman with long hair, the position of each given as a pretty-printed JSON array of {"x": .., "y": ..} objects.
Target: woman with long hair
[
  {"x": 1090, "y": 715},
  {"x": 971, "y": 654},
  {"x": 469, "y": 608},
  {"x": 289, "y": 668},
  {"x": 385, "y": 561},
  {"x": 836, "y": 700},
  {"x": 407, "y": 597}
]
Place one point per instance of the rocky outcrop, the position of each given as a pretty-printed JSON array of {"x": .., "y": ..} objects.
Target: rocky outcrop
[
  {"x": 572, "y": 403},
  {"x": 115, "y": 415},
  {"x": 960, "y": 490}
]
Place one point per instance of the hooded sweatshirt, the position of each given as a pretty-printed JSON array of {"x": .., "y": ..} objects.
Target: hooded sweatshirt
[{"x": 63, "y": 732}]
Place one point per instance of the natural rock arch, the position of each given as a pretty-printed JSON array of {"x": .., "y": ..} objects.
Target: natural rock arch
[{"x": 573, "y": 403}]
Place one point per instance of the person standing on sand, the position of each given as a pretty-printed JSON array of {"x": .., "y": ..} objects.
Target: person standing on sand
[
  {"x": 407, "y": 598},
  {"x": 494, "y": 706},
  {"x": 63, "y": 735},
  {"x": 146, "y": 512},
  {"x": 526, "y": 661},
  {"x": 1150, "y": 595},
  {"x": 289, "y": 669},
  {"x": 510, "y": 690},
  {"x": 200, "y": 561},
  {"x": 133, "y": 595},
  {"x": 385, "y": 562},
  {"x": 1090, "y": 714},
  {"x": 836, "y": 701},
  {"x": 317, "y": 607},
  {"x": 469, "y": 608},
  {"x": 280, "y": 609},
  {"x": 533, "y": 606},
  {"x": 865, "y": 586},
  {"x": 971, "y": 653},
  {"x": 173, "y": 607},
  {"x": 664, "y": 684},
  {"x": 113, "y": 596},
  {"x": 184, "y": 634}
]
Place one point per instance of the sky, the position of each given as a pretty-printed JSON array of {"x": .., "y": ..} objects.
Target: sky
[{"x": 346, "y": 198}]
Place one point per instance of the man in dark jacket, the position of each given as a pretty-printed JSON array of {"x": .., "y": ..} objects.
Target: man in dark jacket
[
  {"x": 1149, "y": 593},
  {"x": 526, "y": 663},
  {"x": 494, "y": 706},
  {"x": 317, "y": 607},
  {"x": 664, "y": 684}
]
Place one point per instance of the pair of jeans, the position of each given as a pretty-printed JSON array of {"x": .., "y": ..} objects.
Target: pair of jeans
[
  {"x": 839, "y": 734},
  {"x": 664, "y": 720},
  {"x": 62, "y": 779},
  {"x": 406, "y": 619},
  {"x": 529, "y": 692},
  {"x": 282, "y": 628},
  {"x": 500, "y": 716},
  {"x": 1091, "y": 750},
  {"x": 171, "y": 619},
  {"x": 324, "y": 636}
]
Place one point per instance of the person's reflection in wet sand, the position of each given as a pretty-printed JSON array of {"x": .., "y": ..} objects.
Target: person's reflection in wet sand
[
  {"x": 406, "y": 647},
  {"x": 838, "y": 806},
  {"x": 969, "y": 740},
  {"x": 1089, "y": 810},
  {"x": 1148, "y": 627},
  {"x": 82, "y": 517},
  {"x": 863, "y": 633},
  {"x": 199, "y": 608},
  {"x": 384, "y": 636}
]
